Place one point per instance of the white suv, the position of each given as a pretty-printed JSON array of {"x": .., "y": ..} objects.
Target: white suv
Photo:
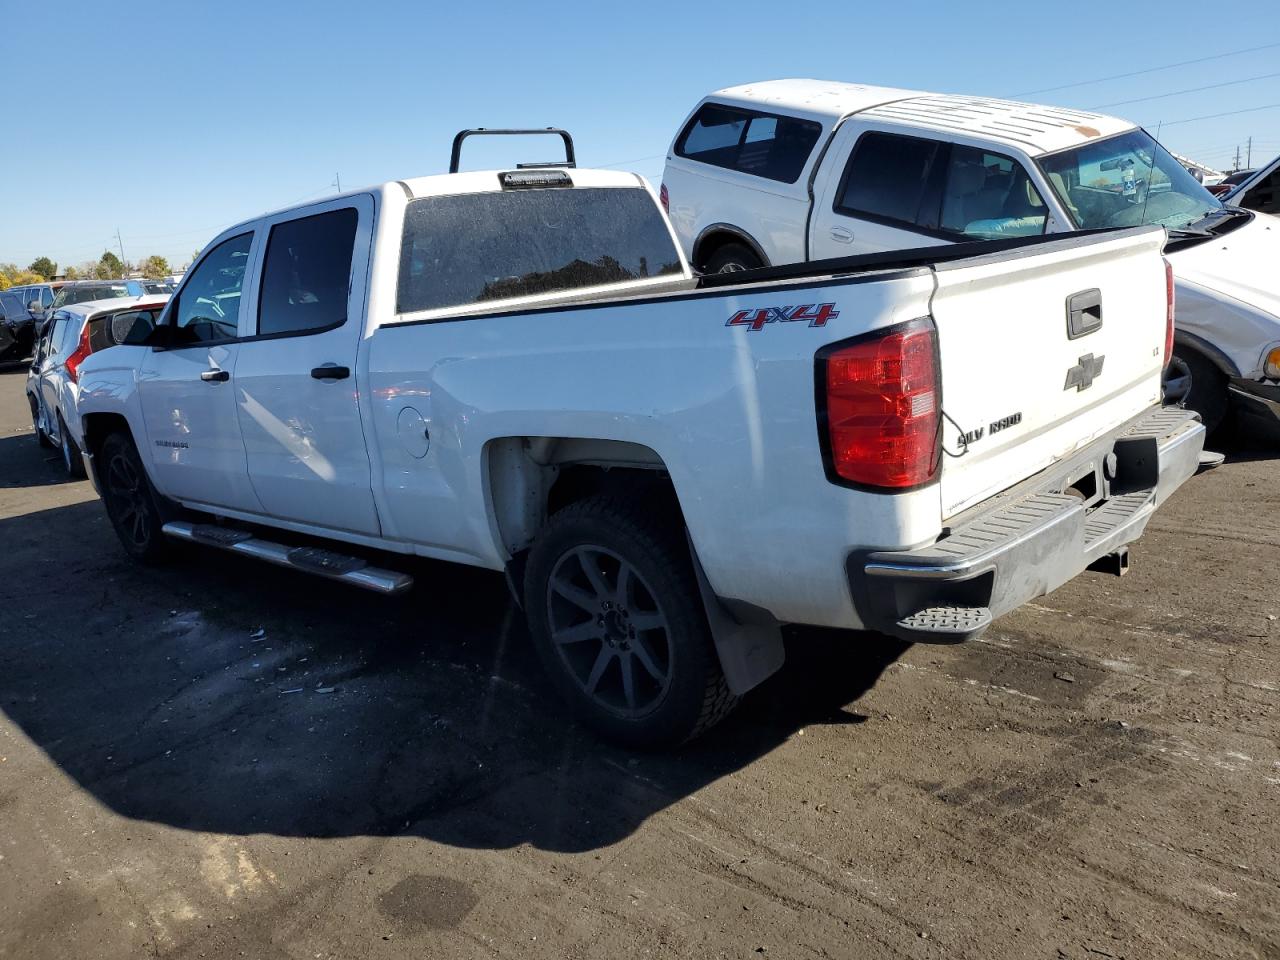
[{"x": 787, "y": 171}]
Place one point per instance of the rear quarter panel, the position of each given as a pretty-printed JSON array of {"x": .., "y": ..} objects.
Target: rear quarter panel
[{"x": 729, "y": 410}]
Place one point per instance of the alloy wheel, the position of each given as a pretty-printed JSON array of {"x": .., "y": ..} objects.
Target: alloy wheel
[
  {"x": 129, "y": 502},
  {"x": 609, "y": 631}
]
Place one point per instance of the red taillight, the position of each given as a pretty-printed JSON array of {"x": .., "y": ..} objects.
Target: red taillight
[
  {"x": 664, "y": 198},
  {"x": 1168, "y": 316},
  {"x": 82, "y": 350},
  {"x": 883, "y": 408}
]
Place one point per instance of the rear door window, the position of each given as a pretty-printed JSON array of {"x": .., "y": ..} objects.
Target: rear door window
[
  {"x": 307, "y": 277},
  {"x": 55, "y": 336},
  {"x": 894, "y": 179},
  {"x": 481, "y": 247},
  {"x": 761, "y": 144}
]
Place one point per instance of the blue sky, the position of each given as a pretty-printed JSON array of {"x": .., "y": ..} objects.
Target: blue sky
[{"x": 173, "y": 120}]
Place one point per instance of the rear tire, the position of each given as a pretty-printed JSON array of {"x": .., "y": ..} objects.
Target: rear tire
[
  {"x": 732, "y": 258},
  {"x": 617, "y": 620},
  {"x": 71, "y": 458},
  {"x": 1208, "y": 394},
  {"x": 42, "y": 438},
  {"x": 132, "y": 503}
]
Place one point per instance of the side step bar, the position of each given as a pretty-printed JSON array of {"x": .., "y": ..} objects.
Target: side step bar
[{"x": 324, "y": 563}]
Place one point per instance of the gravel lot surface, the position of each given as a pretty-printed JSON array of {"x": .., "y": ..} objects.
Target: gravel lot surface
[{"x": 222, "y": 759}]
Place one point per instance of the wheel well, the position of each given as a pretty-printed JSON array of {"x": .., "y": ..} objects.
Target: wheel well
[
  {"x": 717, "y": 237},
  {"x": 531, "y": 478},
  {"x": 99, "y": 426},
  {"x": 1190, "y": 343}
]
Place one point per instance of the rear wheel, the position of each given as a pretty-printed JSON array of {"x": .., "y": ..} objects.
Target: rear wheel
[
  {"x": 71, "y": 458},
  {"x": 616, "y": 617},
  {"x": 132, "y": 504},
  {"x": 1208, "y": 393},
  {"x": 42, "y": 438},
  {"x": 732, "y": 258}
]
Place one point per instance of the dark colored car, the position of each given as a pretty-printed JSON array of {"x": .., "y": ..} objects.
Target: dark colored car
[
  {"x": 38, "y": 297},
  {"x": 17, "y": 327}
]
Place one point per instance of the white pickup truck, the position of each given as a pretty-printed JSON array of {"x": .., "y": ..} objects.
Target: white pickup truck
[
  {"x": 516, "y": 370},
  {"x": 785, "y": 171}
]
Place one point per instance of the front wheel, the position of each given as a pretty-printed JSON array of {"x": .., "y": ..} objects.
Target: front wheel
[
  {"x": 615, "y": 614},
  {"x": 131, "y": 502},
  {"x": 1208, "y": 393}
]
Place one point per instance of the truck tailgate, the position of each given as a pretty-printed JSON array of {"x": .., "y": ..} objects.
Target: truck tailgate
[{"x": 1043, "y": 352}]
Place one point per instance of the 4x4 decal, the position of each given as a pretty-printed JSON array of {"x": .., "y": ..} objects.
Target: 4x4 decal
[{"x": 816, "y": 314}]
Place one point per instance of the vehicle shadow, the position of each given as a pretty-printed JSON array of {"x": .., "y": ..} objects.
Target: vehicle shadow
[
  {"x": 24, "y": 463},
  {"x": 219, "y": 695}
]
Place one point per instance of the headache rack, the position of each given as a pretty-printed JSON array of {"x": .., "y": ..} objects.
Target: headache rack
[{"x": 568, "y": 161}]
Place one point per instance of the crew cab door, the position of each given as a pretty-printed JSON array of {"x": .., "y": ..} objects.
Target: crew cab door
[
  {"x": 295, "y": 379},
  {"x": 193, "y": 435}
]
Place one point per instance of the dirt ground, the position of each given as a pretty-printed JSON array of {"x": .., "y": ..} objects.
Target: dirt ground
[{"x": 1099, "y": 776}]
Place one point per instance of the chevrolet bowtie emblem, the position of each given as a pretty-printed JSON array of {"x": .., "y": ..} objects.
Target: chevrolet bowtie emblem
[{"x": 1082, "y": 375}]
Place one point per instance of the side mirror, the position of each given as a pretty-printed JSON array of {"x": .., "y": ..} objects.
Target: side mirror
[{"x": 136, "y": 329}]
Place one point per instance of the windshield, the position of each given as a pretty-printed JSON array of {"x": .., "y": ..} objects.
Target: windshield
[{"x": 1126, "y": 181}]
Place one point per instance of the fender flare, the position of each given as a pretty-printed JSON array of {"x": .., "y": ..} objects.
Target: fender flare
[
  {"x": 733, "y": 231},
  {"x": 1211, "y": 353}
]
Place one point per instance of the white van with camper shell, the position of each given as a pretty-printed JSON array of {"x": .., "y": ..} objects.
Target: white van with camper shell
[{"x": 786, "y": 171}]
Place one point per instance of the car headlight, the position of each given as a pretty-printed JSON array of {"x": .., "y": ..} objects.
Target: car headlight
[{"x": 1271, "y": 364}]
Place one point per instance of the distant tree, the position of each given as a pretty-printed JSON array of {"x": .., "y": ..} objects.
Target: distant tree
[
  {"x": 22, "y": 277},
  {"x": 72, "y": 273},
  {"x": 4, "y": 282},
  {"x": 110, "y": 267},
  {"x": 155, "y": 267},
  {"x": 43, "y": 266}
]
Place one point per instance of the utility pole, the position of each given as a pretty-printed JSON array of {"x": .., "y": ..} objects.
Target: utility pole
[
  {"x": 1237, "y": 166},
  {"x": 337, "y": 182},
  {"x": 121, "y": 243},
  {"x": 1248, "y": 163}
]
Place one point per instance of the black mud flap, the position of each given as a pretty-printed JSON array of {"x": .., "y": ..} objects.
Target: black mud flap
[{"x": 749, "y": 653}]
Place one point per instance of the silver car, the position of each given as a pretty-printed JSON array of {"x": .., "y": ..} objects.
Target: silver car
[{"x": 68, "y": 335}]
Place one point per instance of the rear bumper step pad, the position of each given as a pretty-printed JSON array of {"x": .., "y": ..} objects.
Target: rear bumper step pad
[
  {"x": 314, "y": 560},
  {"x": 1030, "y": 540}
]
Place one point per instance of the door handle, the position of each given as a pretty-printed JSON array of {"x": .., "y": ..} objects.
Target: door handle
[
  {"x": 330, "y": 371},
  {"x": 215, "y": 376},
  {"x": 841, "y": 235}
]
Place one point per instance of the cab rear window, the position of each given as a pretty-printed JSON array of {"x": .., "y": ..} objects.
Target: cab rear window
[
  {"x": 481, "y": 247},
  {"x": 761, "y": 144}
]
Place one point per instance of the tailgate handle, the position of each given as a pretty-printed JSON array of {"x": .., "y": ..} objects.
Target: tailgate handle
[{"x": 1084, "y": 313}]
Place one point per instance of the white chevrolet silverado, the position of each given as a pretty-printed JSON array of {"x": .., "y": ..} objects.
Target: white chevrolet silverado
[
  {"x": 516, "y": 370},
  {"x": 791, "y": 170}
]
